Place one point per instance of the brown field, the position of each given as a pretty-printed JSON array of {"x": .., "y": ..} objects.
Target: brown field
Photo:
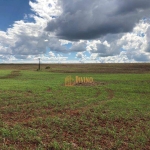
[{"x": 84, "y": 68}]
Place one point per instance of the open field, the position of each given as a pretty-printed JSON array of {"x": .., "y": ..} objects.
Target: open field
[
  {"x": 37, "y": 112},
  {"x": 83, "y": 68}
]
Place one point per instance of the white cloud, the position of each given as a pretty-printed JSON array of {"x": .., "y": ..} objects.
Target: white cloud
[
  {"x": 94, "y": 56},
  {"x": 46, "y": 9},
  {"x": 65, "y": 42},
  {"x": 135, "y": 43},
  {"x": 80, "y": 55},
  {"x": 104, "y": 48},
  {"x": 92, "y": 45},
  {"x": 106, "y": 44},
  {"x": 25, "y": 38},
  {"x": 25, "y": 41},
  {"x": 51, "y": 54}
]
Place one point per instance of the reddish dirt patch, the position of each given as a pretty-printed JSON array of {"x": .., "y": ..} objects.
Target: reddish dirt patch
[
  {"x": 49, "y": 89},
  {"x": 27, "y": 116},
  {"x": 110, "y": 94},
  {"x": 73, "y": 112},
  {"x": 90, "y": 84}
]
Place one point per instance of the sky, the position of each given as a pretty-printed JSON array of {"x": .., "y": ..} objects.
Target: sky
[{"x": 74, "y": 31}]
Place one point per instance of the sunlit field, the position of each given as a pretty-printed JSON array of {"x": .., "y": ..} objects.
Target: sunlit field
[{"x": 38, "y": 112}]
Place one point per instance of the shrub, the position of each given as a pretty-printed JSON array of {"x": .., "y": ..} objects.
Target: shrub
[{"x": 48, "y": 67}]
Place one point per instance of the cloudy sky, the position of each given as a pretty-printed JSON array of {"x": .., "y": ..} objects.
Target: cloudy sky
[{"x": 74, "y": 31}]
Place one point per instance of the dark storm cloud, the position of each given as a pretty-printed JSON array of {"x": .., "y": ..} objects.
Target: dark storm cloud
[
  {"x": 92, "y": 19},
  {"x": 126, "y": 6}
]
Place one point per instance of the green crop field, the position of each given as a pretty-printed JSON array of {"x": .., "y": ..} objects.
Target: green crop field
[{"x": 38, "y": 112}]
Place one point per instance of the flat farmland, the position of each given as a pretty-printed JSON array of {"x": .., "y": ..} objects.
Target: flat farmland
[
  {"x": 83, "y": 68},
  {"x": 38, "y": 112}
]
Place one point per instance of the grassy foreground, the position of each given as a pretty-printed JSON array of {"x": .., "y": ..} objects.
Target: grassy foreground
[{"x": 37, "y": 112}]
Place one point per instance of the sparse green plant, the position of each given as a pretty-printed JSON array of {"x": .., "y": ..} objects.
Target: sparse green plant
[{"x": 38, "y": 111}]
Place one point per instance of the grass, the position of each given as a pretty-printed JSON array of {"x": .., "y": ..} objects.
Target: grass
[{"x": 38, "y": 112}]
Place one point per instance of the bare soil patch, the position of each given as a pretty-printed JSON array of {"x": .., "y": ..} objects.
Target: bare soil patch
[
  {"x": 110, "y": 94},
  {"x": 13, "y": 74},
  {"x": 90, "y": 84},
  {"x": 49, "y": 89}
]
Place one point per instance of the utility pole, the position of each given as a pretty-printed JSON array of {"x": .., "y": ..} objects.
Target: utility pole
[{"x": 39, "y": 63}]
